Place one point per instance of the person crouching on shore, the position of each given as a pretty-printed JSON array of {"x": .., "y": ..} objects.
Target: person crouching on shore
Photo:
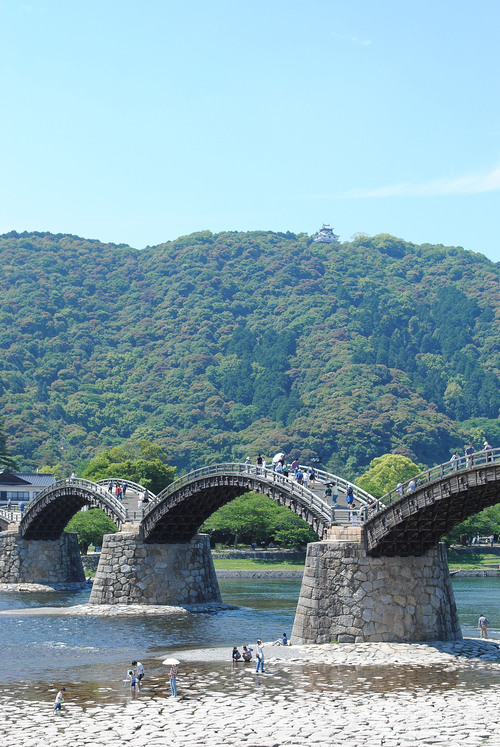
[{"x": 247, "y": 653}]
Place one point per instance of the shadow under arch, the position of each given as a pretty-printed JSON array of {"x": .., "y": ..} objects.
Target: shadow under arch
[
  {"x": 48, "y": 514},
  {"x": 178, "y": 511}
]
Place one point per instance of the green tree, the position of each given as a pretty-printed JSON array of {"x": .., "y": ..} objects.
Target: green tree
[
  {"x": 385, "y": 472},
  {"x": 485, "y": 523},
  {"x": 55, "y": 470},
  {"x": 90, "y": 527},
  {"x": 292, "y": 531},
  {"x": 255, "y": 518},
  {"x": 6, "y": 458},
  {"x": 141, "y": 462}
]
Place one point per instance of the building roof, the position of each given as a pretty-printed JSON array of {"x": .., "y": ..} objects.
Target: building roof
[{"x": 35, "y": 479}]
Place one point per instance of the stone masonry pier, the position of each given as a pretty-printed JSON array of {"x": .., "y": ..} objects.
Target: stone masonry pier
[
  {"x": 56, "y": 563},
  {"x": 131, "y": 571},
  {"x": 348, "y": 596}
]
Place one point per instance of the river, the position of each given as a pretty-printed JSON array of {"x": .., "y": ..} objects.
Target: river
[{"x": 93, "y": 652}]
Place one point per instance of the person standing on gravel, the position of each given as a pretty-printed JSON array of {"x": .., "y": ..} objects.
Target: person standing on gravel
[
  {"x": 482, "y": 624},
  {"x": 260, "y": 656},
  {"x": 59, "y": 701},
  {"x": 173, "y": 680}
]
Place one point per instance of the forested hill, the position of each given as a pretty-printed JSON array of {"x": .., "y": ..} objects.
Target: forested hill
[{"x": 220, "y": 346}]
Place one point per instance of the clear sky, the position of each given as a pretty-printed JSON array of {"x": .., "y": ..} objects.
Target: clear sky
[{"x": 136, "y": 122}]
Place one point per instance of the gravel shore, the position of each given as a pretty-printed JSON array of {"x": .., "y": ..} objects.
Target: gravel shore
[{"x": 446, "y": 694}]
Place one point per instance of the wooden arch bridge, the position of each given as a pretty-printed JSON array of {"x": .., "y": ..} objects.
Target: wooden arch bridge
[{"x": 407, "y": 521}]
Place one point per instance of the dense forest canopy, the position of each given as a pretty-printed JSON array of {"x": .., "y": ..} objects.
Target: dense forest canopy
[{"x": 219, "y": 346}]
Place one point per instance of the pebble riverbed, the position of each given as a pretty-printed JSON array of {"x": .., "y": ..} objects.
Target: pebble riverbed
[{"x": 350, "y": 694}]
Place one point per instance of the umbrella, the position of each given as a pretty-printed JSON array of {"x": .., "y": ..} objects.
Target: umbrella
[
  {"x": 277, "y": 457},
  {"x": 171, "y": 661}
]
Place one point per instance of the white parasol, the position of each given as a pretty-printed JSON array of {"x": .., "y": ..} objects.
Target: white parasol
[
  {"x": 277, "y": 457},
  {"x": 171, "y": 661}
]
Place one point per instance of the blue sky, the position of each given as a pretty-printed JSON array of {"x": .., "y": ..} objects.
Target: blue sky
[{"x": 137, "y": 122}]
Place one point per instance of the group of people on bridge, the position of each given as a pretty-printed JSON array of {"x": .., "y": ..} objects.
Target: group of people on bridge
[
  {"x": 467, "y": 460},
  {"x": 279, "y": 466}
]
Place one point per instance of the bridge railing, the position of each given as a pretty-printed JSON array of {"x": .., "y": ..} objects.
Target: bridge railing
[
  {"x": 447, "y": 469},
  {"x": 13, "y": 516},
  {"x": 92, "y": 487},
  {"x": 306, "y": 496},
  {"x": 360, "y": 495},
  {"x": 129, "y": 483}
]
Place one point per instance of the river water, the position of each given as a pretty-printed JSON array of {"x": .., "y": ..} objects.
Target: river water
[{"x": 92, "y": 653}]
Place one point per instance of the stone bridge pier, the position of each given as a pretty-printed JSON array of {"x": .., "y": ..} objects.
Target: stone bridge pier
[
  {"x": 132, "y": 571},
  {"x": 55, "y": 563},
  {"x": 349, "y": 596}
]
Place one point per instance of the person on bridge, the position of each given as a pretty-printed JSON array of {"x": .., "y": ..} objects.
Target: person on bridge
[
  {"x": 454, "y": 461},
  {"x": 349, "y": 496},
  {"x": 488, "y": 451},
  {"x": 469, "y": 455},
  {"x": 482, "y": 624},
  {"x": 259, "y": 464},
  {"x": 335, "y": 496}
]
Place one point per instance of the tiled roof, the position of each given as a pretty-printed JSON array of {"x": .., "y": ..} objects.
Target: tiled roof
[{"x": 36, "y": 479}]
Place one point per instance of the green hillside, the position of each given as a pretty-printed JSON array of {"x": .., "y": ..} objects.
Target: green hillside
[{"x": 220, "y": 346}]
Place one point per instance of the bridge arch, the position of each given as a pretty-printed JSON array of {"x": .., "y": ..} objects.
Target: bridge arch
[
  {"x": 412, "y": 519},
  {"x": 176, "y": 513},
  {"x": 47, "y": 515}
]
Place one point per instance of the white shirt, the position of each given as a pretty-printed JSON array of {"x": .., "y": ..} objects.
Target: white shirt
[{"x": 139, "y": 669}]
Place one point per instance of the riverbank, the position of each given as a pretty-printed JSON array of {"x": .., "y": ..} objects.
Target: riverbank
[{"x": 367, "y": 695}]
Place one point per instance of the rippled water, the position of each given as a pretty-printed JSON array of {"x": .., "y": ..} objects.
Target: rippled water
[{"x": 91, "y": 654}]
